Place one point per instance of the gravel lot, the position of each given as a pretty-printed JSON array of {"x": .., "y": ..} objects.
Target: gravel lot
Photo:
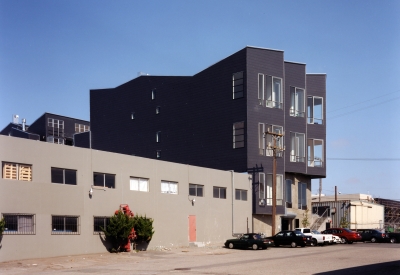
[{"x": 358, "y": 258}]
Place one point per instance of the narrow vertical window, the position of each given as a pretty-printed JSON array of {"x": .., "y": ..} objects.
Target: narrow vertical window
[
  {"x": 158, "y": 154},
  {"x": 274, "y": 96},
  {"x": 315, "y": 152},
  {"x": 261, "y": 139},
  {"x": 288, "y": 193},
  {"x": 261, "y": 186},
  {"x": 153, "y": 94},
  {"x": 158, "y": 136},
  {"x": 315, "y": 113},
  {"x": 302, "y": 196},
  {"x": 158, "y": 110},
  {"x": 296, "y": 102},
  {"x": 238, "y": 135},
  {"x": 133, "y": 115},
  {"x": 261, "y": 88},
  {"x": 297, "y": 151},
  {"x": 237, "y": 79}
]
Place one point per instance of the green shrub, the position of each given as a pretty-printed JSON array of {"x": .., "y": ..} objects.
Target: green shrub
[
  {"x": 2, "y": 226},
  {"x": 143, "y": 227},
  {"x": 118, "y": 230}
]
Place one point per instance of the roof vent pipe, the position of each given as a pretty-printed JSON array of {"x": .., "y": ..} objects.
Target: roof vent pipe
[{"x": 23, "y": 124}]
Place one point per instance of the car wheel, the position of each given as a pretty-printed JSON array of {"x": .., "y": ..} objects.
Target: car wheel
[
  {"x": 392, "y": 240},
  {"x": 350, "y": 242},
  {"x": 314, "y": 242},
  {"x": 373, "y": 240},
  {"x": 343, "y": 240},
  {"x": 230, "y": 245},
  {"x": 255, "y": 247},
  {"x": 276, "y": 245},
  {"x": 293, "y": 244}
]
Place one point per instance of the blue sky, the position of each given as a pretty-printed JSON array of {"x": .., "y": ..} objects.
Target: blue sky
[{"x": 53, "y": 52}]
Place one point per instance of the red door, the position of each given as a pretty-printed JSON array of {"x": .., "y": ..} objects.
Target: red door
[{"x": 192, "y": 228}]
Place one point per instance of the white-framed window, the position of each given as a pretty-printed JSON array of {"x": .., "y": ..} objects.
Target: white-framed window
[
  {"x": 315, "y": 152},
  {"x": 19, "y": 224},
  {"x": 288, "y": 193},
  {"x": 169, "y": 187},
  {"x": 55, "y": 140},
  {"x": 297, "y": 102},
  {"x": 55, "y": 123},
  {"x": 158, "y": 154},
  {"x": 100, "y": 223},
  {"x": 279, "y": 189},
  {"x": 133, "y": 115},
  {"x": 196, "y": 190},
  {"x": 302, "y": 196},
  {"x": 261, "y": 188},
  {"x": 63, "y": 176},
  {"x": 261, "y": 88},
  {"x": 17, "y": 171},
  {"x": 103, "y": 180},
  {"x": 273, "y": 90},
  {"x": 315, "y": 111},
  {"x": 55, "y": 131},
  {"x": 68, "y": 225},
  {"x": 158, "y": 136},
  {"x": 297, "y": 143},
  {"x": 139, "y": 184},
  {"x": 261, "y": 139},
  {"x": 240, "y": 195},
  {"x": 219, "y": 192},
  {"x": 270, "y": 141},
  {"x": 238, "y": 134},
  {"x": 153, "y": 94},
  {"x": 158, "y": 109},
  {"x": 80, "y": 128},
  {"x": 238, "y": 90}
]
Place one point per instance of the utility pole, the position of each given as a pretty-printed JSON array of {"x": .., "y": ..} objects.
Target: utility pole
[{"x": 276, "y": 137}]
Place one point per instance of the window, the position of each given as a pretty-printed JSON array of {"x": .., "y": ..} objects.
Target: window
[
  {"x": 19, "y": 224},
  {"x": 158, "y": 154},
  {"x": 133, "y": 115},
  {"x": 279, "y": 189},
  {"x": 17, "y": 171},
  {"x": 261, "y": 88},
  {"x": 99, "y": 223},
  {"x": 219, "y": 192},
  {"x": 104, "y": 180},
  {"x": 296, "y": 102},
  {"x": 153, "y": 94},
  {"x": 274, "y": 92},
  {"x": 55, "y": 131},
  {"x": 169, "y": 187},
  {"x": 237, "y": 85},
  {"x": 288, "y": 193},
  {"x": 315, "y": 113},
  {"x": 80, "y": 128},
  {"x": 63, "y": 176},
  {"x": 139, "y": 184},
  {"x": 302, "y": 196},
  {"x": 269, "y": 140},
  {"x": 238, "y": 135},
  {"x": 65, "y": 225},
  {"x": 241, "y": 195},
  {"x": 196, "y": 190},
  {"x": 56, "y": 123},
  {"x": 158, "y": 108},
  {"x": 261, "y": 188},
  {"x": 315, "y": 152},
  {"x": 158, "y": 136},
  {"x": 297, "y": 152}
]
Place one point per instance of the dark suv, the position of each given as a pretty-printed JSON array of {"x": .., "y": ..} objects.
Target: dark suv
[
  {"x": 346, "y": 235},
  {"x": 373, "y": 235}
]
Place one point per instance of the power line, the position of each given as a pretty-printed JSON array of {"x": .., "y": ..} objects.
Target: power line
[{"x": 367, "y": 159}]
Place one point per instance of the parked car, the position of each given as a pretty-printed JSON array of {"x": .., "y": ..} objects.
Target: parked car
[
  {"x": 346, "y": 235},
  {"x": 373, "y": 235},
  {"x": 394, "y": 237},
  {"x": 316, "y": 236},
  {"x": 336, "y": 239},
  {"x": 250, "y": 240},
  {"x": 292, "y": 238}
]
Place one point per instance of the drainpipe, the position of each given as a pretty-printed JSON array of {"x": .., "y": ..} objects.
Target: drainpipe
[{"x": 233, "y": 197}]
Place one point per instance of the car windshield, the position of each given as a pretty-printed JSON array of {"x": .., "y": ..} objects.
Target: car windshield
[
  {"x": 315, "y": 232},
  {"x": 347, "y": 230}
]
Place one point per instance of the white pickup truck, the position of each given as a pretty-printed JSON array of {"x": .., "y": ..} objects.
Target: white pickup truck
[{"x": 317, "y": 237}]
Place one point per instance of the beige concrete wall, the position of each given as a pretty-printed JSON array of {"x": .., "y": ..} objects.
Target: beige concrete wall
[
  {"x": 170, "y": 212},
  {"x": 364, "y": 215}
]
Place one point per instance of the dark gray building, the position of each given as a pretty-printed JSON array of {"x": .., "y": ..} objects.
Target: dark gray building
[{"x": 218, "y": 119}]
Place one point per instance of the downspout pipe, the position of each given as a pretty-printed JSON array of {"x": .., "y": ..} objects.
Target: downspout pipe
[{"x": 233, "y": 197}]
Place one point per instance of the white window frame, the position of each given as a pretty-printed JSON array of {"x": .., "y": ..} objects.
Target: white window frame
[
  {"x": 270, "y": 142},
  {"x": 261, "y": 85},
  {"x": 139, "y": 184},
  {"x": 158, "y": 136},
  {"x": 17, "y": 171},
  {"x": 169, "y": 187},
  {"x": 261, "y": 186},
  {"x": 279, "y": 189},
  {"x": 313, "y": 160},
  {"x": 274, "y": 97},
  {"x": 311, "y": 110},
  {"x": 297, "y": 147},
  {"x": 81, "y": 128},
  {"x": 261, "y": 139},
  {"x": 297, "y": 102}
]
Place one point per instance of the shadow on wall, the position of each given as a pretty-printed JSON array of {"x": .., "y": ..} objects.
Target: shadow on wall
[
  {"x": 381, "y": 269},
  {"x": 1, "y": 238},
  {"x": 106, "y": 243}
]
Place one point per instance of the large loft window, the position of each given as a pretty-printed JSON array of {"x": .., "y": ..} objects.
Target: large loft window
[
  {"x": 302, "y": 196},
  {"x": 273, "y": 91},
  {"x": 103, "y": 180},
  {"x": 238, "y": 89},
  {"x": 19, "y": 224},
  {"x": 196, "y": 190},
  {"x": 296, "y": 102},
  {"x": 63, "y": 176},
  {"x": 65, "y": 225},
  {"x": 297, "y": 152},
  {"x": 238, "y": 134},
  {"x": 80, "y": 128},
  {"x": 139, "y": 184},
  {"x": 315, "y": 152},
  {"x": 169, "y": 187},
  {"x": 279, "y": 189},
  {"x": 17, "y": 171},
  {"x": 315, "y": 113},
  {"x": 288, "y": 193}
]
